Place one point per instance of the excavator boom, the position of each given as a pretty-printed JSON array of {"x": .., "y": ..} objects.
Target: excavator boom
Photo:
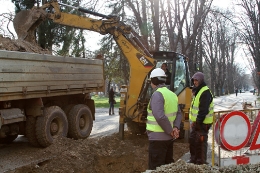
[{"x": 26, "y": 21}]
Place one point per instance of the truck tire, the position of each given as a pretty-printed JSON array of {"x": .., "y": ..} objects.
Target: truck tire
[
  {"x": 8, "y": 139},
  {"x": 51, "y": 125},
  {"x": 80, "y": 122},
  {"x": 67, "y": 110},
  {"x": 135, "y": 127},
  {"x": 30, "y": 131}
]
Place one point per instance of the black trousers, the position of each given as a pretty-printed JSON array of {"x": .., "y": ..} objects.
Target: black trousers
[
  {"x": 198, "y": 141},
  {"x": 160, "y": 153}
]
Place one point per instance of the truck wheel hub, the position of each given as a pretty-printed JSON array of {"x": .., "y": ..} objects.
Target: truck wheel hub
[
  {"x": 54, "y": 127},
  {"x": 81, "y": 122}
]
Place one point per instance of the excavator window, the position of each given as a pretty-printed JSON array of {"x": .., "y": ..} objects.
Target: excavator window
[{"x": 177, "y": 66}]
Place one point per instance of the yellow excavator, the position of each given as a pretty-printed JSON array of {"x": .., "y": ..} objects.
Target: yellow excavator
[{"x": 135, "y": 95}]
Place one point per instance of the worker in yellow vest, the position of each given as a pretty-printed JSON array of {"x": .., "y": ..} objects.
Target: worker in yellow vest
[
  {"x": 163, "y": 121},
  {"x": 201, "y": 117}
]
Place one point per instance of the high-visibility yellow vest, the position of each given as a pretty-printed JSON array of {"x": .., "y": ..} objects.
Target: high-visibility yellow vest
[
  {"x": 194, "y": 109},
  {"x": 170, "y": 110}
]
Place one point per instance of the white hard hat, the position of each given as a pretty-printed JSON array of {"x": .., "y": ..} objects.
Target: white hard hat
[{"x": 158, "y": 72}]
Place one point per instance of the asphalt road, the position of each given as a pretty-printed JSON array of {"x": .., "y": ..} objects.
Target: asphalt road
[
  {"x": 233, "y": 102},
  {"x": 105, "y": 124}
]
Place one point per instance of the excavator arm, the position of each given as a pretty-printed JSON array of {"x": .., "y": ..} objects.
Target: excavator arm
[
  {"x": 140, "y": 61},
  {"x": 26, "y": 21}
]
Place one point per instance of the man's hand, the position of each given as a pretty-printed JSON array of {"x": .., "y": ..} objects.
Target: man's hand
[
  {"x": 175, "y": 133},
  {"x": 193, "y": 124}
]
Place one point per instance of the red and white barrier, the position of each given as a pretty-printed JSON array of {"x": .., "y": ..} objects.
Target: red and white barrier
[
  {"x": 240, "y": 160},
  {"x": 233, "y": 132}
]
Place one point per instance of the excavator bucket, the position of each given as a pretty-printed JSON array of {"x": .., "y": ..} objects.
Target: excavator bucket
[{"x": 26, "y": 21}]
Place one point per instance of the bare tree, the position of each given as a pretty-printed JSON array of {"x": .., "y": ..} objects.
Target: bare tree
[
  {"x": 183, "y": 22},
  {"x": 219, "y": 44},
  {"x": 253, "y": 69},
  {"x": 156, "y": 23},
  {"x": 6, "y": 20},
  {"x": 139, "y": 8},
  {"x": 250, "y": 32}
]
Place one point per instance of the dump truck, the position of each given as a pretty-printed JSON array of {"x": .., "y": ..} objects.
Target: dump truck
[
  {"x": 45, "y": 96},
  {"x": 136, "y": 94}
]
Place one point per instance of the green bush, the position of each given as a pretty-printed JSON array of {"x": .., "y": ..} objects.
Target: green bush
[{"x": 102, "y": 102}]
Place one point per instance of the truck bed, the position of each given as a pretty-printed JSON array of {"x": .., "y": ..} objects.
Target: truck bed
[{"x": 28, "y": 75}]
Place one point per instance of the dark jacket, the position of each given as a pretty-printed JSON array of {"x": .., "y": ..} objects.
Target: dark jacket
[
  {"x": 111, "y": 96},
  {"x": 168, "y": 77},
  {"x": 205, "y": 100}
]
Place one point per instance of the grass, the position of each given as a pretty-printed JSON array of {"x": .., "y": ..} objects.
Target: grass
[{"x": 102, "y": 102}]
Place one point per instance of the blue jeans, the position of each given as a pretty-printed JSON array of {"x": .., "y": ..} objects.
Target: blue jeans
[{"x": 111, "y": 107}]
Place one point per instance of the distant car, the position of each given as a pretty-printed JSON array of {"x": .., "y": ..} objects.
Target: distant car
[{"x": 252, "y": 90}]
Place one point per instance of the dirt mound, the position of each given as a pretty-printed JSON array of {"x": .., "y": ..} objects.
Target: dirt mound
[
  {"x": 182, "y": 166},
  {"x": 107, "y": 154},
  {"x": 21, "y": 46}
]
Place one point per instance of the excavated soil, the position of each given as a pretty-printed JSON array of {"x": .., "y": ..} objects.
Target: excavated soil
[
  {"x": 107, "y": 154},
  {"x": 21, "y": 46}
]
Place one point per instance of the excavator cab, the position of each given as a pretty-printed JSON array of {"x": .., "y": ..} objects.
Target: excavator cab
[{"x": 177, "y": 65}]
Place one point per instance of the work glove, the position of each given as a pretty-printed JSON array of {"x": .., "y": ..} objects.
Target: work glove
[{"x": 198, "y": 126}]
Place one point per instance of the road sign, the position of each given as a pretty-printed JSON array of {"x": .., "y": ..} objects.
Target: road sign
[
  {"x": 255, "y": 140},
  {"x": 234, "y": 131}
]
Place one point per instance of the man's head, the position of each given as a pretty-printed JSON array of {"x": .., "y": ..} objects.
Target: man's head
[
  {"x": 157, "y": 77},
  {"x": 197, "y": 79},
  {"x": 164, "y": 66}
]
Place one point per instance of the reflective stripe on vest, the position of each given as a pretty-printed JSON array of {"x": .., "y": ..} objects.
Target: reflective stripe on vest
[
  {"x": 170, "y": 110},
  {"x": 194, "y": 109}
]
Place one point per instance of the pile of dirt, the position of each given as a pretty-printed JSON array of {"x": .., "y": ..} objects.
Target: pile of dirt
[
  {"x": 107, "y": 154},
  {"x": 21, "y": 46},
  {"x": 182, "y": 167}
]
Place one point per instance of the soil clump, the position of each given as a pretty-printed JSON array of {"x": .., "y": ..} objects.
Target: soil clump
[{"x": 21, "y": 46}]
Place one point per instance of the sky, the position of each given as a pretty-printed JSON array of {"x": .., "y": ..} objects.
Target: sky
[
  {"x": 222, "y": 3},
  {"x": 6, "y": 7}
]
